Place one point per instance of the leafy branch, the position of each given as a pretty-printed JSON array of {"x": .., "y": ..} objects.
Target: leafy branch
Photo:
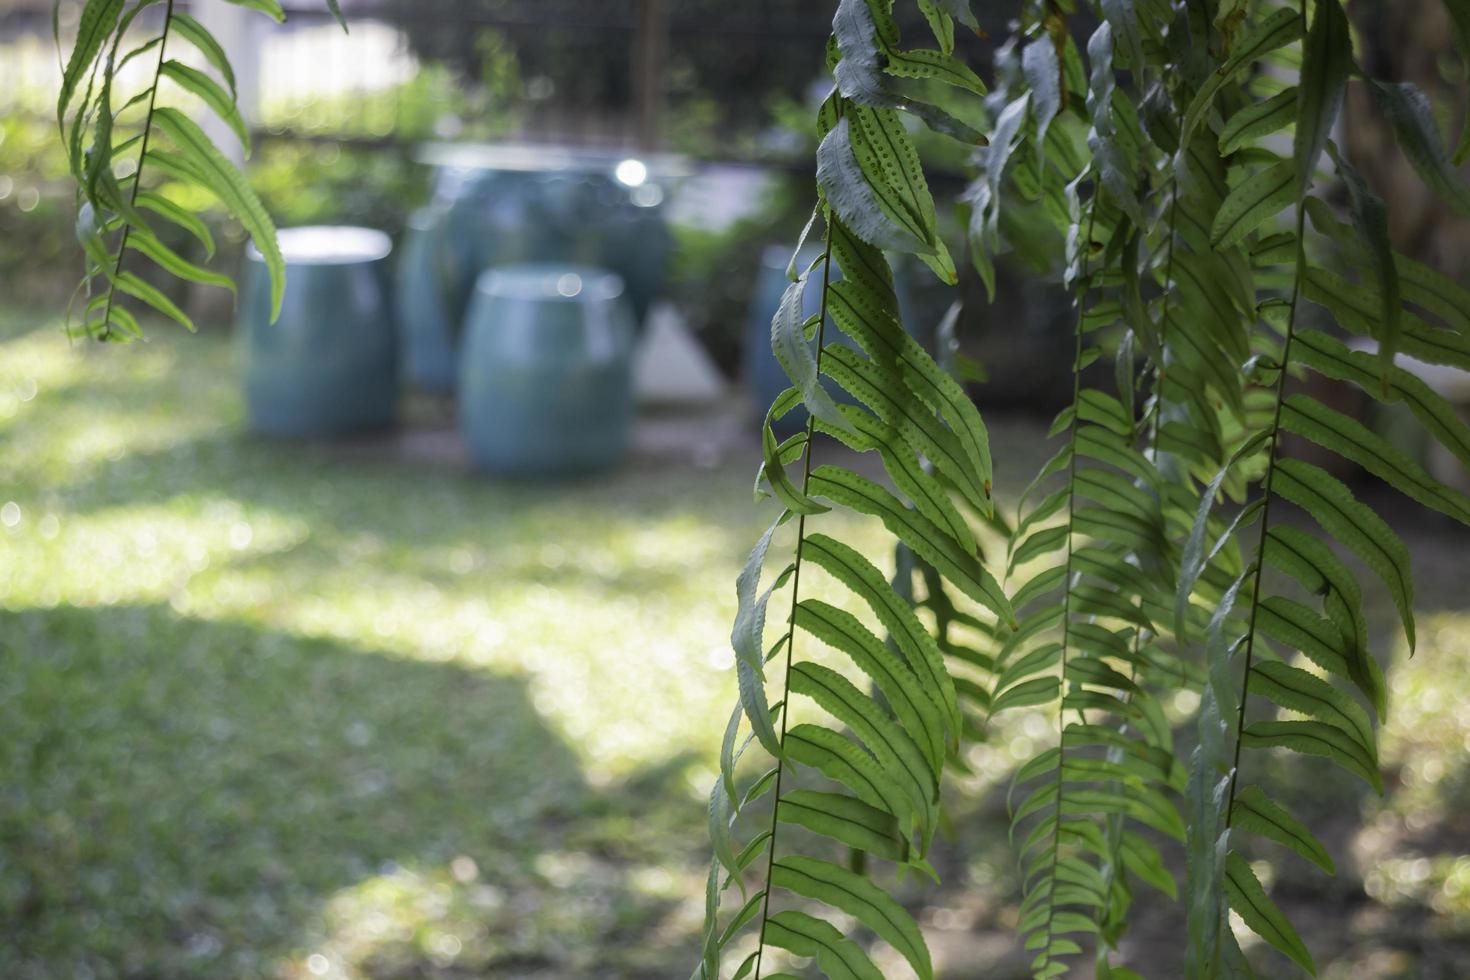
[{"x": 114, "y": 223}]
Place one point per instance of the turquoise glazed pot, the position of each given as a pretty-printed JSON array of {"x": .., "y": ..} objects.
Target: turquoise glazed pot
[
  {"x": 765, "y": 379},
  {"x": 510, "y": 204},
  {"x": 428, "y": 333},
  {"x": 328, "y": 364},
  {"x": 546, "y": 385}
]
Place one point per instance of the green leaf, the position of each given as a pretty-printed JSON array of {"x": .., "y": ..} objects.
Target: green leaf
[
  {"x": 209, "y": 168},
  {"x": 1259, "y": 913},
  {"x": 1370, "y": 220},
  {"x": 1259, "y": 119},
  {"x": 142, "y": 240},
  {"x": 941, "y": 25},
  {"x": 926, "y": 435},
  {"x": 98, "y": 19},
  {"x": 176, "y": 213},
  {"x": 1315, "y": 738},
  {"x": 960, "y": 11},
  {"x": 1295, "y": 689},
  {"x": 335, "y": 7},
  {"x": 195, "y": 33},
  {"x": 220, "y": 102},
  {"x": 843, "y": 762},
  {"x": 895, "y": 680},
  {"x": 719, "y": 830},
  {"x": 1459, "y": 11},
  {"x": 1317, "y": 567},
  {"x": 858, "y": 897},
  {"x": 1352, "y": 440},
  {"x": 1038, "y": 690},
  {"x": 1299, "y": 628},
  {"x": 747, "y": 639},
  {"x": 1043, "y": 73},
  {"x": 1122, "y": 17},
  {"x": 846, "y": 819},
  {"x": 1261, "y": 196},
  {"x": 838, "y": 958},
  {"x": 846, "y": 188},
  {"x": 1329, "y": 357},
  {"x": 789, "y": 344},
  {"x": 1412, "y": 118},
  {"x": 774, "y": 471},
  {"x": 1334, "y": 507},
  {"x": 271, "y": 8},
  {"x": 938, "y": 65},
  {"x": 1257, "y": 813},
  {"x": 891, "y": 165},
  {"x": 863, "y": 308},
  {"x": 1327, "y": 58},
  {"x": 1206, "y": 839},
  {"x": 844, "y": 487},
  {"x": 139, "y": 288},
  {"x": 1277, "y": 30},
  {"x": 889, "y": 743},
  {"x": 923, "y": 656}
]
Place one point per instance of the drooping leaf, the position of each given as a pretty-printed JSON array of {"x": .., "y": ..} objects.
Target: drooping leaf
[
  {"x": 839, "y": 958},
  {"x": 846, "y": 189},
  {"x": 207, "y": 166},
  {"x": 271, "y": 8},
  {"x": 1370, "y": 220},
  {"x": 220, "y": 102},
  {"x": 196, "y": 34},
  {"x": 1327, "y": 58},
  {"x": 1333, "y": 506},
  {"x": 1412, "y": 118},
  {"x": 858, "y": 897},
  {"x": 1277, "y": 30},
  {"x": 1259, "y": 119},
  {"x": 1248, "y": 899},
  {"x": 1258, "y": 198},
  {"x": 1257, "y": 813}
]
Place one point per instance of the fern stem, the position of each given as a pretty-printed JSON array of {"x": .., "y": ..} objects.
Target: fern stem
[
  {"x": 1077, "y": 350},
  {"x": 1275, "y": 438},
  {"x": 806, "y": 475},
  {"x": 122, "y": 248}
]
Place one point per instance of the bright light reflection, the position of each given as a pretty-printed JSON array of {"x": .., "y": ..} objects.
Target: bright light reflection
[{"x": 631, "y": 172}]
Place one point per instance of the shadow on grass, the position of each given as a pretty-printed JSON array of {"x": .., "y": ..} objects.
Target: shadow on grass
[{"x": 186, "y": 798}]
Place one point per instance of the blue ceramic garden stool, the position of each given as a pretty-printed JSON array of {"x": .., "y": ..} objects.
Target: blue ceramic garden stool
[
  {"x": 545, "y": 386},
  {"x": 327, "y": 365},
  {"x": 428, "y": 334}
]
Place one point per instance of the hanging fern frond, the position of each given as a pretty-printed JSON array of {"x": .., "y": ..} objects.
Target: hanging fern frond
[
  {"x": 106, "y": 130},
  {"x": 879, "y": 752},
  {"x": 1309, "y": 710}
]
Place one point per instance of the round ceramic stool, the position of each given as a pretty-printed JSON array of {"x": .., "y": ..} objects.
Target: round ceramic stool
[
  {"x": 545, "y": 384},
  {"x": 327, "y": 365}
]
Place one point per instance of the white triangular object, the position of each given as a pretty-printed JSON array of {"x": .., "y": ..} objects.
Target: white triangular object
[{"x": 670, "y": 365}]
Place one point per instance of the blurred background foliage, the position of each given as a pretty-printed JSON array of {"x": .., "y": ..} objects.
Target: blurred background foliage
[{"x": 734, "y": 90}]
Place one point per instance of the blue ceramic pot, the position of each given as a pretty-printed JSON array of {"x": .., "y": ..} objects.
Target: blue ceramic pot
[
  {"x": 428, "y": 333},
  {"x": 546, "y": 371},
  {"x": 555, "y": 207},
  {"x": 765, "y": 379},
  {"x": 328, "y": 364}
]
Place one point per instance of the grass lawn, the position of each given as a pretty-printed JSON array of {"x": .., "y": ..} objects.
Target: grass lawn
[{"x": 288, "y": 711}]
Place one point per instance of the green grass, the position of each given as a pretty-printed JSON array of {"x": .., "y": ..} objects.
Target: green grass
[
  {"x": 262, "y": 701},
  {"x": 286, "y": 711}
]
